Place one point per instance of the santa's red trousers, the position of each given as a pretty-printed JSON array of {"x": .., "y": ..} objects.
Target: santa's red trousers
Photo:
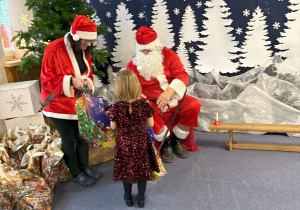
[{"x": 187, "y": 114}]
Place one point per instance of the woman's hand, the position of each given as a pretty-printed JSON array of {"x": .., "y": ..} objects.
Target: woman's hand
[
  {"x": 89, "y": 84},
  {"x": 163, "y": 99},
  {"x": 78, "y": 83}
]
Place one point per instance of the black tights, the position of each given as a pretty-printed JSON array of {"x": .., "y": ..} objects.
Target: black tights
[{"x": 141, "y": 184}]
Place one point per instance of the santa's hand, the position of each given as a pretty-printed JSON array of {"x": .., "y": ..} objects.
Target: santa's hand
[
  {"x": 163, "y": 99},
  {"x": 78, "y": 83}
]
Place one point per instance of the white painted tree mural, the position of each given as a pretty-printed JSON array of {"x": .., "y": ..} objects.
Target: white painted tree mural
[
  {"x": 111, "y": 78},
  {"x": 101, "y": 38},
  {"x": 219, "y": 45},
  {"x": 161, "y": 23},
  {"x": 256, "y": 47},
  {"x": 289, "y": 41},
  {"x": 188, "y": 32},
  {"x": 184, "y": 57},
  {"x": 125, "y": 37}
]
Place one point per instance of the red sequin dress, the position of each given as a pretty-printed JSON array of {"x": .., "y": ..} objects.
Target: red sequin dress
[{"x": 134, "y": 155}]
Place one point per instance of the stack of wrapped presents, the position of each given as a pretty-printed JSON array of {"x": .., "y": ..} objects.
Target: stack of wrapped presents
[{"x": 31, "y": 160}]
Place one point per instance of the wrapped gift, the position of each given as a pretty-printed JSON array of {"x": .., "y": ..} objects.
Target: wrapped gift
[
  {"x": 31, "y": 159},
  {"x": 20, "y": 99},
  {"x": 37, "y": 133},
  {"x": 17, "y": 141}
]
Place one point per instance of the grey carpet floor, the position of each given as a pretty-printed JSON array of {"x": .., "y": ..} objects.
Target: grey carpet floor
[{"x": 211, "y": 178}]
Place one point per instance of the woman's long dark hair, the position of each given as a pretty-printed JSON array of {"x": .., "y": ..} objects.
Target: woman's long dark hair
[{"x": 77, "y": 47}]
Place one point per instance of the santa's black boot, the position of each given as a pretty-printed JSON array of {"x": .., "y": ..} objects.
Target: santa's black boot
[
  {"x": 167, "y": 155},
  {"x": 178, "y": 149}
]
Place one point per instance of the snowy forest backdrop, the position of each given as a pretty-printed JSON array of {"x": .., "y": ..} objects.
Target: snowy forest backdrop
[{"x": 230, "y": 48}]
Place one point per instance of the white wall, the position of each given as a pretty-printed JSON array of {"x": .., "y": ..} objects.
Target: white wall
[
  {"x": 15, "y": 9},
  {"x": 3, "y": 80}
]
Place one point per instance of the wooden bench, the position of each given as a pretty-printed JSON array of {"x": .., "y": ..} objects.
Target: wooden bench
[{"x": 274, "y": 128}]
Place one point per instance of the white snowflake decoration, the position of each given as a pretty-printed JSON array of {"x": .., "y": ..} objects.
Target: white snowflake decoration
[
  {"x": 239, "y": 31},
  {"x": 246, "y": 12},
  {"x": 191, "y": 50},
  {"x": 176, "y": 11},
  {"x": 16, "y": 102},
  {"x": 247, "y": 100},
  {"x": 198, "y": 4},
  {"x": 262, "y": 112},
  {"x": 88, "y": 1},
  {"x": 101, "y": 1},
  {"x": 141, "y": 15},
  {"x": 109, "y": 29},
  {"x": 108, "y": 14},
  {"x": 276, "y": 25},
  {"x": 278, "y": 91},
  {"x": 225, "y": 116}
]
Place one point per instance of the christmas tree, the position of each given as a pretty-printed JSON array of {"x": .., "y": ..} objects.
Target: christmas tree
[{"x": 53, "y": 20}]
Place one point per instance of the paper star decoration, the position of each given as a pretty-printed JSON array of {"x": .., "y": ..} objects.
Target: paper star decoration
[{"x": 23, "y": 18}]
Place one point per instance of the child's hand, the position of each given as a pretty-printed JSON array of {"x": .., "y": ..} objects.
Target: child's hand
[{"x": 143, "y": 96}]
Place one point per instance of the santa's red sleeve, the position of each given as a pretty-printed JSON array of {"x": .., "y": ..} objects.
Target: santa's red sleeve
[{"x": 179, "y": 76}]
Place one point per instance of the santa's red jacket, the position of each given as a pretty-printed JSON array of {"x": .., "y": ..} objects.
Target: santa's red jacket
[
  {"x": 174, "y": 77},
  {"x": 58, "y": 66}
]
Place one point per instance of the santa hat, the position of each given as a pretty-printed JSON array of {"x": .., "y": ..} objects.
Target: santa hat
[
  {"x": 83, "y": 28},
  {"x": 146, "y": 38}
]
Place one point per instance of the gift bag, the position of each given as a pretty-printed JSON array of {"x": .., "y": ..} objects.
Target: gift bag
[
  {"x": 93, "y": 123},
  {"x": 162, "y": 171}
]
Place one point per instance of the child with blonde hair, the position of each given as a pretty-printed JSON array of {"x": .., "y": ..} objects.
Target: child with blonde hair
[{"x": 134, "y": 155}]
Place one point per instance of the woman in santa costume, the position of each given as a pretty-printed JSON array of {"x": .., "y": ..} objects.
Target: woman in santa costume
[
  {"x": 164, "y": 79},
  {"x": 66, "y": 68}
]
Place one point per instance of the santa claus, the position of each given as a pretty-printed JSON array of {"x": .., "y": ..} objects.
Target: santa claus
[{"x": 164, "y": 79}]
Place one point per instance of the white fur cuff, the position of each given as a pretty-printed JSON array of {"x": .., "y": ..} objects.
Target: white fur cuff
[
  {"x": 160, "y": 137},
  {"x": 178, "y": 86},
  {"x": 67, "y": 88},
  {"x": 180, "y": 133}
]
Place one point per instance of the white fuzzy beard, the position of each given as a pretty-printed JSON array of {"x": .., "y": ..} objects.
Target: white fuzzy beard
[{"x": 149, "y": 66}]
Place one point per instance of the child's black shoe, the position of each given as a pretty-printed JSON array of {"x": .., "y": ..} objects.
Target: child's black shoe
[
  {"x": 128, "y": 202},
  {"x": 141, "y": 203}
]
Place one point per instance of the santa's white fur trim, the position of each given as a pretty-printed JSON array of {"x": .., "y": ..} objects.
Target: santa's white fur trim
[
  {"x": 180, "y": 133},
  {"x": 67, "y": 88},
  {"x": 155, "y": 45},
  {"x": 173, "y": 102},
  {"x": 164, "y": 109},
  {"x": 179, "y": 87},
  {"x": 160, "y": 137},
  {"x": 163, "y": 82}
]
